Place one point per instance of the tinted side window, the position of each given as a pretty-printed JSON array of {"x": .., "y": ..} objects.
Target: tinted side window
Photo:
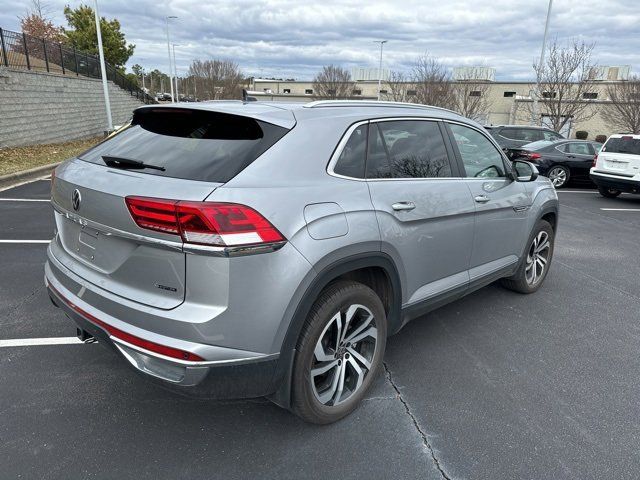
[
  {"x": 578, "y": 148},
  {"x": 479, "y": 156},
  {"x": 408, "y": 149},
  {"x": 551, "y": 135},
  {"x": 352, "y": 158}
]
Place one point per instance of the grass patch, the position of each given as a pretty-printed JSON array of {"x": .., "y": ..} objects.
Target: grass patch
[{"x": 17, "y": 159}]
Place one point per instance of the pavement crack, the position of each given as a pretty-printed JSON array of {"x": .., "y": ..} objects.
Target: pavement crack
[{"x": 425, "y": 439}]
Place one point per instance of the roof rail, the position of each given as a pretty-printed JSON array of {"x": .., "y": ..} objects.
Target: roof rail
[{"x": 369, "y": 103}]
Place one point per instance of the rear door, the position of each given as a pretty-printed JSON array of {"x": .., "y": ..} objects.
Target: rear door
[
  {"x": 423, "y": 207},
  {"x": 500, "y": 203},
  {"x": 579, "y": 157},
  {"x": 186, "y": 155}
]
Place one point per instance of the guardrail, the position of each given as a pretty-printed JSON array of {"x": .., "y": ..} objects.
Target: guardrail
[{"x": 24, "y": 52}]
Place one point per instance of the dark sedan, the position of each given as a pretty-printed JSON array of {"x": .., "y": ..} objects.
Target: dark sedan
[{"x": 560, "y": 160}]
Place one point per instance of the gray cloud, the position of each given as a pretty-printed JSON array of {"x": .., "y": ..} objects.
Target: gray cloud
[{"x": 289, "y": 38}]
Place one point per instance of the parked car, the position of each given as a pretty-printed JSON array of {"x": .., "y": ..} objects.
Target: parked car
[
  {"x": 236, "y": 249},
  {"x": 514, "y": 136},
  {"x": 560, "y": 160},
  {"x": 616, "y": 168}
]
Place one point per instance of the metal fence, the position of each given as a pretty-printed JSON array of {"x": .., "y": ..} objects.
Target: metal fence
[{"x": 21, "y": 51}]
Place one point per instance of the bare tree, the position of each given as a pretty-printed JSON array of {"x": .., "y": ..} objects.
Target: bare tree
[
  {"x": 563, "y": 79},
  {"x": 432, "y": 83},
  {"x": 471, "y": 96},
  {"x": 398, "y": 85},
  {"x": 332, "y": 82},
  {"x": 216, "y": 79},
  {"x": 624, "y": 111}
]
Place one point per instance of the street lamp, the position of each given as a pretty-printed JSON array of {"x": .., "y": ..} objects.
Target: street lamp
[
  {"x": 105, "y": 87},
  {"x": 536, "y": 114},
  {"x": 169, "y": 53},
  {"x": 381, "y": 42},
  {"x": 175, "y": 69}
]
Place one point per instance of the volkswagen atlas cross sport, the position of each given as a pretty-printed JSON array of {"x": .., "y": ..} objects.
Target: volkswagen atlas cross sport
[{"x": 231, "y": 249}]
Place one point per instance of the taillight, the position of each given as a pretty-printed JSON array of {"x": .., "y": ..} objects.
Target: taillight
[
  {"x": 595, "y": 160},
  {"x": 532, "y": 157},
  {"x": 205, "y": 223}
]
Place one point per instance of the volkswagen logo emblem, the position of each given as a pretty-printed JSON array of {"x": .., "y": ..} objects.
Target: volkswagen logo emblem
[{"x": 76, "y": 198}]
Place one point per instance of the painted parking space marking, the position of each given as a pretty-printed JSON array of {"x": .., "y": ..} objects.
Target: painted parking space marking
[
  {"x": 24, "y": 200},
  {"x": 621, "y": 209},
  {"x": 4, "y": 189},
  {"x": 30, "y": 342},
  {"x": 25, "y": 241}
]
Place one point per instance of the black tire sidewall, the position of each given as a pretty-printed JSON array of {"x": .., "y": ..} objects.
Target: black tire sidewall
[
  {"x": 519, "y": 281},
  {"x": 335, "y": 297}
]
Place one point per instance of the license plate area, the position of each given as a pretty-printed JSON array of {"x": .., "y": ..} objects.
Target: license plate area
[{"x": 87, "y": 244}]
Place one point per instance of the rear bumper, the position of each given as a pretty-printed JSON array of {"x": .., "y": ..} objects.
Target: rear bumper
[
  {"x": 628, "y": 185},
  {"x": 230, "y": 375}
]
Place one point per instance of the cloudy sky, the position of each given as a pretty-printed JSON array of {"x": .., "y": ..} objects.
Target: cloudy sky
[{"x": 285, "y": 38}]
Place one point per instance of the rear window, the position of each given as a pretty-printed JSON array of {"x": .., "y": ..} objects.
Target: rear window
[
  {"x": 539, "y": 145},
  {"x": 189, "y": 144},
  {"x": 623, "y": 145}
]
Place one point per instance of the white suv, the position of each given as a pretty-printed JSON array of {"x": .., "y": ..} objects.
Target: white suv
[{"x": 616, "y": 168}]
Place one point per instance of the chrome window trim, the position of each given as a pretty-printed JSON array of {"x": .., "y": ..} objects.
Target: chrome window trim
[{"x": 347, "y": 135}]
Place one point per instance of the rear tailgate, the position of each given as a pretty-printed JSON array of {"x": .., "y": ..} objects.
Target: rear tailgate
[
  {"x": 100, "y": 242},
  {"x": 173, "y": 153}
]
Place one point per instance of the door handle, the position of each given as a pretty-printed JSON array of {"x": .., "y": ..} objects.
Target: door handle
[
  {"x": 403, "y": 206},
  {"x": 481, "y": 198}
]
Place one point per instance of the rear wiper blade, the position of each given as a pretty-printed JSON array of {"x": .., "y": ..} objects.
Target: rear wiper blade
[{"x": 120, "y": 162}]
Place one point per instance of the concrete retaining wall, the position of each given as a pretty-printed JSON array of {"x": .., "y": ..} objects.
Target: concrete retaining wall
[{"x": 46, "y": 108}]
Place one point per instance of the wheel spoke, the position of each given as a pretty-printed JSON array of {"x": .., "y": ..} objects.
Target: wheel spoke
[
  {"x": 329, "y": 393},
  {"x": 370, "y": 332},
  {"x": 358, "y": 371},
  {"x": 356, "y": 355},
  {"x": 336, "y": 397},
  {"x": 351, "y": 311},
  {"x": 543, "y": 246},
  {"x": 324, "y": 368},
  {"x": 319, "y": 351},
  {"x": 541, "y": 260},
  {"x": 365, "y": 323}
]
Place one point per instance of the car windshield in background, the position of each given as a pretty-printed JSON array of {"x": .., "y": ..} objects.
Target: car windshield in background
[
  {"x": 188, "y": 144},
  {"x": 623, "y": 145},
  {"x": 539, "y": 145}
]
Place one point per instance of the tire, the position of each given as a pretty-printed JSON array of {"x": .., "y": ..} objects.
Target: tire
[
  {"x": 559, "y": 176},
  {"x": 528, "y": 278},
  {"x": 318, "y": 398},
  {"x": 609, "y": 192}
]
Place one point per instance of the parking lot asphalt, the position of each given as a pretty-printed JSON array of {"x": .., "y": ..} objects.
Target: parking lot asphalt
[{"x": 497, "y": 385}]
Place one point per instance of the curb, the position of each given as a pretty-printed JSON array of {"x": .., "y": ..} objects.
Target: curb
[{"x": 12, "y": 179}]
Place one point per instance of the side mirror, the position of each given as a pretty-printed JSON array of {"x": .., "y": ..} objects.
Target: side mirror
[{"x": 525, "y": 171}]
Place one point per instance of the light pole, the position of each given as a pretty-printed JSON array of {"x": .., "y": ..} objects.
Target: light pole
[
  {"x": 169, "y": 53},
  {"x": 103, "y": 70},
  {"x": 381, "y": 42},
  {"x": 175, "y": 70},
  {"x": 536, "y": 107}
]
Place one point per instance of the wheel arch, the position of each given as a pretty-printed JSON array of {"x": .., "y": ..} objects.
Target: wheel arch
[{"x": 374, "y": 269}]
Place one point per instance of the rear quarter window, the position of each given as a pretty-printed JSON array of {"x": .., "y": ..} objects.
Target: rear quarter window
[{"x": 189, "y": 144}]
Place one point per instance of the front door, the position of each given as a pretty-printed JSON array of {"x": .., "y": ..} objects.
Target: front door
[
  {"x": 501, "y": 203},
  {"x": 423, "y": 206}
]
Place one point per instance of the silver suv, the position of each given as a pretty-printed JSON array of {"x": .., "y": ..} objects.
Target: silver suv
[{"x": 231, "y": 249}]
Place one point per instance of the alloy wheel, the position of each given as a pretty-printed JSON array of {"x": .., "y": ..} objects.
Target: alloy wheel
[
  {"x": 343, "y": 355},
  {"x": 558, "y": 176},
  {"x": 537, "y": 258}
]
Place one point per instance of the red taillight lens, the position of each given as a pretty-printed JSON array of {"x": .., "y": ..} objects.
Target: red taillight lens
[
  {"x": 532, "y": 157},
  {"x": 595, "y": 160},
  {"x": 206, "y": 223},
  {"x": 118, "y": 334}
]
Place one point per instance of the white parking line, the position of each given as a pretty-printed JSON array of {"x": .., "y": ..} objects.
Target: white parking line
[
  {"x": 25, "y": 241},
  {"x": 576, "y": 191},
  {"x": 29, "y": 342},
  {"x": 46, "y": 177},
  {"x": 24, "y": 200},
  {"x": 621, "y": 209}
]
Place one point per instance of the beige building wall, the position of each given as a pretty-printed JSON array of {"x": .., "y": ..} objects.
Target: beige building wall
[{"x": 509, "y": 102}]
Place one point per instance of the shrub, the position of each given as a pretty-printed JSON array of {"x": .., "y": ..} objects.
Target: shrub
[
  {"x": 601, "y": 138},
  {"x": 582, "y": 135}
]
